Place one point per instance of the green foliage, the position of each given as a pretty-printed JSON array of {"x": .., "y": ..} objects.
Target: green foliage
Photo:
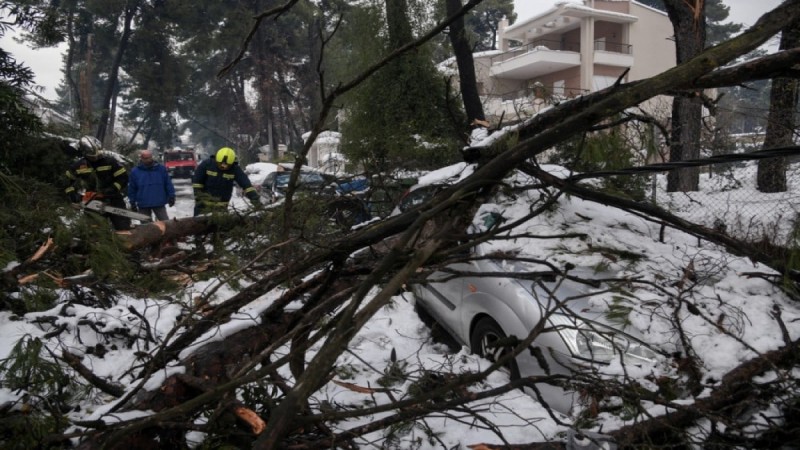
[
  {"x": 394, "y": 374},
  {"x": 36, "y": 298},
  {"x": 26, "y": 216},
  {"x": 16, "y": 120},
  {"x": 103, "y": 253},
  {"x": 603, "y": 151},
  {"x": 716, "y": 30},
  {"x": 716, "y": 12},
  {"x": 411, "y": 435},
  {"x": 792, "y": 259},
  {"x": 405, "y": 115},
  {"x": 259, "y": 396},
  {"x": 483, "y": 22},
  {"x": 25, "y": 431},
  {"x": 39, "y": 158},
  {"x": 26, "y": 369},
  {"x": 619, "y": 310}
]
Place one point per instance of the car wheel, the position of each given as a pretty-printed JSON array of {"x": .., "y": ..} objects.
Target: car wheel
[
  {"x": 484, "y": 339},
  {"x": 438, "y": 333}
]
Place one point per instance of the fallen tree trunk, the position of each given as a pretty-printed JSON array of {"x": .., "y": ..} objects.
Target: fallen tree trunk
[{"x": 154, "y": 232}]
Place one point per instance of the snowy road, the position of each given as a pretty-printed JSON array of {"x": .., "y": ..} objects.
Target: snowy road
[{"x": 184, "y": 199}]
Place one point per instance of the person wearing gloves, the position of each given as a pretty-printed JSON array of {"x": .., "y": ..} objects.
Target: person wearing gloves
[
  {"x": 150, "y": 187},
  {"x": 214, "y": 179},
  {"x": 101, "y": 176}
]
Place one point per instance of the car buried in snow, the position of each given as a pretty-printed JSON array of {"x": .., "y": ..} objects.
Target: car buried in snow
[{"x": 494, "y": 295}]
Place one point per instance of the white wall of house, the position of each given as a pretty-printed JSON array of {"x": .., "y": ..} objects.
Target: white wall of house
[
  {"x": 653, "y": 43},
  {"x": 572, "y": 49},
  {"x": 324, "y": 152}
]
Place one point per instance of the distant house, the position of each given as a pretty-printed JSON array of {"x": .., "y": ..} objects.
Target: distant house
[
  {"x": 324, "y": 152},
  {"x": 572, "y": 49},
  {"x": 265, "y": 154}
]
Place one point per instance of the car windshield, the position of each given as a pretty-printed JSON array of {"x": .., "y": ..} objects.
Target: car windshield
[
  {"x": 174, "y": 156},
  {"x": 306, "y": 178},
  {"x": 418, "y": 196}
]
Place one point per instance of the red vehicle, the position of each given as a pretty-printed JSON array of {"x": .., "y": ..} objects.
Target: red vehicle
[{"x": 180, "y": 163}]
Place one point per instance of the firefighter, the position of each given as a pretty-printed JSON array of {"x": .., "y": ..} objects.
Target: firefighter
[
  {"x": 213, "y": 182},
  {"x": 102, "y": 178}
]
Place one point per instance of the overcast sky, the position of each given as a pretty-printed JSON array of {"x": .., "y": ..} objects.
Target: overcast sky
[
  {"x": 742, "y": 11},
  {"x": 46, "y": 63}
]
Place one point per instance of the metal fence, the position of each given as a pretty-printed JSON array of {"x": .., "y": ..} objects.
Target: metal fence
[{"x": 728, "y": 198}]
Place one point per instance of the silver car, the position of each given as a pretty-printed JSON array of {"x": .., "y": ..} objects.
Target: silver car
[{"x": 490, "y": 296}]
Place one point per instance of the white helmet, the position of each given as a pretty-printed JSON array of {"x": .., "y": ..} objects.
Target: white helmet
[{"x": 90, "y": 146}]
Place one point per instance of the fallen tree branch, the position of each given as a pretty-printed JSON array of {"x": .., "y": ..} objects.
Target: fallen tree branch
[{"x": 74, "y": 361}]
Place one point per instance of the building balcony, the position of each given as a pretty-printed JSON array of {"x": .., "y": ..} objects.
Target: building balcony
[
  {"x": 613, "y": 54},
  {"x": 535, "y": 59},
  {"x": 543, "y": 57}
]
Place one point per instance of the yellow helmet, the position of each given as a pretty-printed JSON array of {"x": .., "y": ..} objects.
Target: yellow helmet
[{"x": 225, "y": 155}]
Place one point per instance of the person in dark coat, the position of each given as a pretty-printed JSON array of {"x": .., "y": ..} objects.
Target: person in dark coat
[
  {"x": 150, "y": 187},
  {"x": 214, "y": 179},
  {"x": 101, "y": 176}
]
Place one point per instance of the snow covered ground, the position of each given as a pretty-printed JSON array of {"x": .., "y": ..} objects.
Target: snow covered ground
[{"x": 731, "y": 320}]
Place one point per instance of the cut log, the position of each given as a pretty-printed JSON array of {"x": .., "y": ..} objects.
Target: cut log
[{"x": 152, "y": 233}]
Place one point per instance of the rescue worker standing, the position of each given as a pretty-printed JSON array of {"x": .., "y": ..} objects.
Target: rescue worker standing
[
  {"x": 101, "y": 176},
  {"x": 213, "y": 182},
  {"x": 150, "y": 187}
]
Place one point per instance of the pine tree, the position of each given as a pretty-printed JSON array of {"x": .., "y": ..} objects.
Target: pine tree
[{"x": 405, "y": 115}]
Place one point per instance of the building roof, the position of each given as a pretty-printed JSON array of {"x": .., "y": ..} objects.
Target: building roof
[{"x": 559, "y": 18}]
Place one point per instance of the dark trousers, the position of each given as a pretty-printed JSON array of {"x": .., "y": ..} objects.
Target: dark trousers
[
  {"x": 119, "y": 223},
  {"x": 160, "y": 212}
]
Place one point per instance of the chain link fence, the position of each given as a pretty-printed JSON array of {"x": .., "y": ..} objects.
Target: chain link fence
[{"x": 728, "y": 200}]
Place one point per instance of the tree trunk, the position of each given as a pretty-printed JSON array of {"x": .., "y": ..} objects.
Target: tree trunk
[
  {"x": 109, "y": 138},
  {"x": 111, "y": 88},
  {"x": 771, "y": 176},
  {"x": 466, "y": 65},
  {"x": 685, "y": 143},
  {"x": 397, "y": 21},
  {"x": 151, "y": 233},
  {"x": 688, "y": 21},
  {"x": 85, "y": 90}
]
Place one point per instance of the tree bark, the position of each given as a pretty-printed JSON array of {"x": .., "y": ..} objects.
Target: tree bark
[
  {"x": 152, "y": 233},
  {"x": 688, "y": 21},
  {"x": 111, "y": 88},
  {"x": 466, "y": 65},
  {"x": 771, "y": 175}
]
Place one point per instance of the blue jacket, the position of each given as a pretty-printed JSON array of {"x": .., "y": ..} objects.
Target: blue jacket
[
  {"x": 150, "y": 187},
  {"x": 209, "y": 179}
]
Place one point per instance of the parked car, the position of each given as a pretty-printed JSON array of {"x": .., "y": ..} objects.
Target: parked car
[
  {"x": 430, "y": 184},
  {"x": 276, "y": 183},
  {"x": 489, "y": 296},
  {"x": 180, "y": 163},
  {"x": 342, "y": 198}
]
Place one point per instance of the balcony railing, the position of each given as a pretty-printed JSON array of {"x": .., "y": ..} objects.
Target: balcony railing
[
  {"x": 613, "y": 47},
  {"x": 537, "y": 91},
  {"x": 537, "y": 45},
  {"x": 544, "y": 44}
]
